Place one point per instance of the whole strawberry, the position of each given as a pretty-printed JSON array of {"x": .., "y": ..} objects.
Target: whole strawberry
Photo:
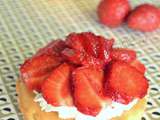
[
  {"x": 113, "y": 12},
  {"x": 145, "y": 18}
]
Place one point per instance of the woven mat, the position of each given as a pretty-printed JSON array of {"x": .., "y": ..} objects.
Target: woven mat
[{"x": 26, "y": 25}]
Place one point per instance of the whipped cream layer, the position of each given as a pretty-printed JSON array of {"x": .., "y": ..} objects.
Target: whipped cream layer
[{"x": 64, "y": 112}]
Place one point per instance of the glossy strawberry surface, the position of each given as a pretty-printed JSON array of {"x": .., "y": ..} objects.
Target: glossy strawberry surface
[
  {"x": 56, "y": 88},
  {"x": 124, "y": 82},
  {"x": 144, "y": 18},
  {"x": 139, "y": 66},
  {"x": 37, "y": 68},
  {"x": 112, "y": 13},
  {"x": 88, "y": 48},
  {"x": 123, "y": 54},
  {"x": 85, "y": 71},
  {"x": 87, "y": 84}
]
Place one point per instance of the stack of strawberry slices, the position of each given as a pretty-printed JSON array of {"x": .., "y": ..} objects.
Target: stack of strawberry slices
[{"x": 85, "y": 71}]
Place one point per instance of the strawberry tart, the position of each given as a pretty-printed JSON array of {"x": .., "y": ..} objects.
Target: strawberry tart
[{"x": 82, "y": 78}]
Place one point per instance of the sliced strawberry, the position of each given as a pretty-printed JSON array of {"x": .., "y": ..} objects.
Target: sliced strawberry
[
  {"x": 87, "y": 82},
  {"x": 90, "y": 43},
  {"x": 104, "y": 49},
  {"x": 35, "y": 82},
  {"x": 88, "y": 48},
  {"x": 81, "y": 58},
  {"x": 53, "y": 48},
  {"x": 123, "y": 54},
  {"x": 139, "y": 66},
  {"x": 85, "y": 41},
  {"x": 37, "y": 69},
  {"x": 90, "y": 60},
  {"x": 56, "y": 89},
  {"x": 74, "y": 56},
  {"x": 124, "y": 82},
  {"x": 75, "y": 41}
]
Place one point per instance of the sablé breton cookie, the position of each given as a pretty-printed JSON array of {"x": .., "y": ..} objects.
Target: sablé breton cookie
[{"x": 82, "y": 78}]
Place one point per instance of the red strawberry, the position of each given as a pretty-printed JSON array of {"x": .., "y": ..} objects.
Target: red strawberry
[
  {"x": 144, "y": 18},
  {"x": 74, "y": 56},
  {"x": 123, "y": 54},
  {"x": 53, "y": 48},
  {"x": 85, "y": 41},
  {"x": 87, "y": 48},
  {"x": 138, "y": 65},
  {"x": 104, "y": 49},
  {"x": 36, "y": 69},
  {"x": 81, "y": 58},
  {"x": 124, "y": 82},
  {"x": 75, "y": 41},
  {"x": 56, "y": 89},
  {"x": 87, "y": 82},
  {"x": 90, "y": 43},
  {"x": 113, "y": 12},
  {"x": 90, "y": 60}
]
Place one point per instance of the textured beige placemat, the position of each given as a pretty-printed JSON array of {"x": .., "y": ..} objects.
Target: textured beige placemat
[{"x": 26, "y": 25}]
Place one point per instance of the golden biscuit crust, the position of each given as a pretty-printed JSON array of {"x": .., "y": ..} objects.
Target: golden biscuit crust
[{"x": 32, "y": 111}]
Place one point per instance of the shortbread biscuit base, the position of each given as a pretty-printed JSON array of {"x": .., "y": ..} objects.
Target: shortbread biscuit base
[{"x": 32, "y": 111}]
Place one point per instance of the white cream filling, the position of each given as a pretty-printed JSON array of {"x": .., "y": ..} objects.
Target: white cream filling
[{"x": 64, "y": 112}]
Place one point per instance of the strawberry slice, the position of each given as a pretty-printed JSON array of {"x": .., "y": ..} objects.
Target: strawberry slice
[
  {"x": 87, "y": 48},
  {"x": 123, "y": 54},
  {"x": 36, "y": 69},
  {"x": 90, "y": 60},
  {"x": 138, "y": 65},
  {"x": 80, "y": 58},
  {"x": 87, "y": 82},
  {"x": 124, "y": 82},
  {"x": 105, "y": 47},
  {"x": 90, "y": 43},
  {"x": 85, "y": 41},
  {"x": 73, "y": 56},
  {"x": 53, "y": 48},
  {"x": 56, "y": 89},
  {"x": 75, "y": 41}
]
